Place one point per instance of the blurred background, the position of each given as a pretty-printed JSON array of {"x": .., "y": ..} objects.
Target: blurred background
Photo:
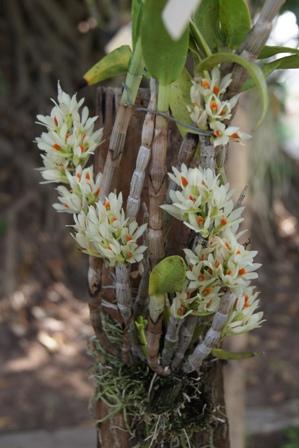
[{"x": 44, "y": 326}]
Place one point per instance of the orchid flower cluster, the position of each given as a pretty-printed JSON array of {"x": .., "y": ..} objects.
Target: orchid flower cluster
[
  {"x": 209, "y": 111},
  {"x": 218, "y": 261},
  {"x": 70, "y": 138},
  {"x": 100, "y": 229},
  {"x": 105, "y": 231}
]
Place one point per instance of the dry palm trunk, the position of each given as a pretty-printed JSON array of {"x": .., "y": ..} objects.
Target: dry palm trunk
[{"x": 112, "y": 432}]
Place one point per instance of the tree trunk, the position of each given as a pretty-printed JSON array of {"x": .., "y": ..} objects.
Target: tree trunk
[{"x": 112, "y": 432}]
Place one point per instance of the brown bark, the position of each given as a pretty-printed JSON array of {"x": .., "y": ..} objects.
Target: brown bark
[
  {"x": 108, "y": 434},
  {"x": 217, "y": 433}
]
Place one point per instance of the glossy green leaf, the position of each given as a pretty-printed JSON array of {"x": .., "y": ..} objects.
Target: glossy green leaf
[
  {"x": 113, "y": 64},
  {"x": 226, "y": 355},
  {"x": 235, "y": 21},
  {"x": 286, "y": 63},
  {"x": 252, "y": 69},
  {"x": 269, "y": 51},
  {"x": 201, "y": 43},
  {"x": 164, "y": 58},
  {"x": 168, "y": 276},
  {"x": 179, "y": 98},
  {"x": 136, "y": 14},
  {"x": 206, "y": 18}
]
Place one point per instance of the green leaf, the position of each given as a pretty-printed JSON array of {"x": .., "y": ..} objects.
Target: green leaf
[
  {"x": 164, "y": 58},
  {"x": 136, "y": 14},
  {"x": 286, "y": 63},
  {"x": 113, "y": 64},
  {"x": 224, "y": 354},
  {"x": 206, "y": 18},
  {"x": 235, "y": 21},
  {"x": 168, "y": 276},
  {"x": 179, "y": 98},
  {"x": 269, "y": 51},
  {"x": 200, "y": 41},
  {"x": 252, "y": 69}
]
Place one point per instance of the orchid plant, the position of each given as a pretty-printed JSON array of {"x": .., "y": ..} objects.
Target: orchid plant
[{"x": 174, "y": 322}]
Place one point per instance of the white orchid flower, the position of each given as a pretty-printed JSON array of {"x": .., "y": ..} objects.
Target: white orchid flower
[
  {"x": 84, "y": 191},
  {"x": 105, "y": 232},
  {"x": 70, "y": 138},
  {"x": 208, "y": 109},
  {"x": 212, "y": 84},
  {"x": 222, "y": 135},
  {"x": 202, "y": 202},
  {"x": 244, "y": 317}
]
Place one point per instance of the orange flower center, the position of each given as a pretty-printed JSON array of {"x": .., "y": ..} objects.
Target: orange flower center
[
  {"x": 107, "y": 204},
  {"x": 235, "y": 136},
  {"x": 246, "y": 302},
  {"x": 216, "y": 90},
  {"x": 214, "y": 106},
  {"x": 217, "y": 133},
  {"x": 207, "y": 291},
  {"x": 242, "y": 271},
  {"x": 223, "y": 221},
  {"x": 205, "y": 83},
  {"x": 200, "y": 220},
  {"x": 57, "y": 147},
  {"x": 129, "y": 237},
  {"x": 184, "y": 181},
  {"x": 224, "y": 111}
]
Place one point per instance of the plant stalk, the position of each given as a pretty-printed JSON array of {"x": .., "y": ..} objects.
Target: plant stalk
[
  {"x": 171, "y": 340},
  {"x": 122, "y": 120},
  {"x": 213, "y": 335},
  {"x": 157, "y": 180},
  {"x": 254, "y": 43}
]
